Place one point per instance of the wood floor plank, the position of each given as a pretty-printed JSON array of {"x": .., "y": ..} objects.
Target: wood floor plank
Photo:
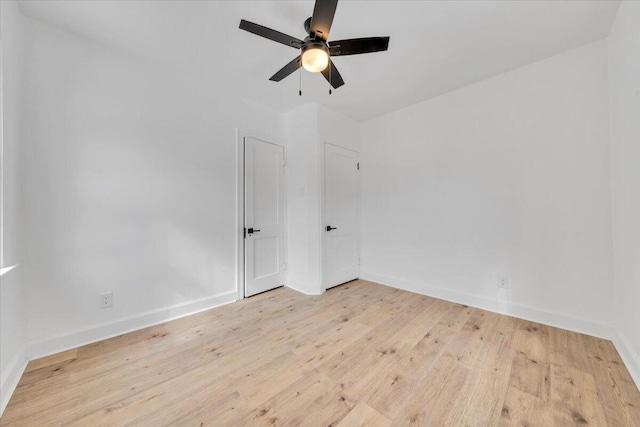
[
  {"x": 568, "y": 349},
  {"x": 389, "y": 389},
  {"x": 524, "y": 409},
  {"x": 480, "y": 400},
  {"x": 531, "y": 377},
  {"x": 315, "y": 397},
  {"x": 575, "y": 397},
  {"x": 431, "y": 400},
  {"x": 532, "y": 340},
  {"x": 364, "y": 415},
  {"x": 360, "y": 354},
  {"x": 56, "y": 359}
]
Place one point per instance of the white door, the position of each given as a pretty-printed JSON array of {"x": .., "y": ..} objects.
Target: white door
[
  {"x": 341, "y": 216},
  {"x": 263, "y": 216}
]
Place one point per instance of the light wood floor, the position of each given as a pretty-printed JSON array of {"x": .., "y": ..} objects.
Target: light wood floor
[{"x": 361, "y": 354}]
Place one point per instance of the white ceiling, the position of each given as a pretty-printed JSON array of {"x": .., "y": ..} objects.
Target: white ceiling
[{"x": 436, "y": 46}]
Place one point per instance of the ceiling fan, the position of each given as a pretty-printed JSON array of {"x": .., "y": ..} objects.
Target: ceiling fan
[{"x": 315, "y": 50}]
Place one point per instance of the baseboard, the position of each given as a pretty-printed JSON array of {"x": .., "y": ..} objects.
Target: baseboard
[
  {"x": 107, "y": 330},
  {"x": 10, "y": 380},
  {"x": 302, "y": 289},
  {"x": 533, "y": 314},
  {"x": 629, "y": 356}
]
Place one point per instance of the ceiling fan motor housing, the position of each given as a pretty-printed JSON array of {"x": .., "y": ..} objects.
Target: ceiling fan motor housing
[{"x": 310, "y": 43}]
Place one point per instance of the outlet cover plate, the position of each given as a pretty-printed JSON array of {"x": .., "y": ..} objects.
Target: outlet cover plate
[{"x": 106, "y": 300}]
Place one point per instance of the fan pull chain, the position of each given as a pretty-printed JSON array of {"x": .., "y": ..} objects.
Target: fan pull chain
[
  {"x": 329, "y": 76},
  {"x": 300, "y": 82}
]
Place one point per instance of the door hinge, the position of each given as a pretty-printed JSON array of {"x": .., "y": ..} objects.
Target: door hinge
[
  {"x": 284, "y": 162},
  {"x": 284, "y": 266},
  {"x": 358, "y": 165}
]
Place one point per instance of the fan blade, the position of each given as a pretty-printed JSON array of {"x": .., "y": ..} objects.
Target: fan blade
[
  {"x": 322, "y": 18},
  {"x": 358, "y": 46},
  {"x": 332, "y": 75},
  {"x": 286, "y": 70},
  {"x": 270, "y": 34}
]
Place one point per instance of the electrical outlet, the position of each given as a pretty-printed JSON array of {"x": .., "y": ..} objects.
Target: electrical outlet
[
  {"x": 106, "y": 300},
  {"x": 503, "y": 282}
]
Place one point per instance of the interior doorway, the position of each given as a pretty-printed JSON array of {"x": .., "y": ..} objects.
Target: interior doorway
[
  {"x": 264, "y": 216},
  {"x": 341, "y": 242}
]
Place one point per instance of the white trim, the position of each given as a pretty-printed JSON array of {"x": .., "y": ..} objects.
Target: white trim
[
  {"x": 2, "y": 169},
  {"x": 241, "y": 134},
  {"x": 299, "y": 288},
  {"x": 11, "y": 377},
  {"x": 323, "y": 210},
  {"x": 629, "y": 356},
  {"x": 125, "y": 325},
  {"x": 5, "y": 270},
  {"x": 533, "y": 314}
]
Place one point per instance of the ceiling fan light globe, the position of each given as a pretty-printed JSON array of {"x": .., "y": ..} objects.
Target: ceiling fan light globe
[{"x": 315, "y": 59}]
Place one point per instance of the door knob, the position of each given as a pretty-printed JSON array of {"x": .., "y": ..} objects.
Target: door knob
[
  {"x": 252, "y": 230},
  {"x": 329, "y": 228}
]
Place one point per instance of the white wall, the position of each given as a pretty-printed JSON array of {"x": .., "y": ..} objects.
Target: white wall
[
  {"x": 337, "y": 129},
  {"x": 130, "y": 188},
  {"x": 624, "y": 83},
  {"x": 12, "y": 331},
  {"x": 506, "y": 177},
  {"x": 303, "y": 201}
]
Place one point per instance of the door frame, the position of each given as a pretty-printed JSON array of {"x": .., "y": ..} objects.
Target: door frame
[
  {"x": 323, "y": 211},
  {"x": 241, "y": 134}
]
